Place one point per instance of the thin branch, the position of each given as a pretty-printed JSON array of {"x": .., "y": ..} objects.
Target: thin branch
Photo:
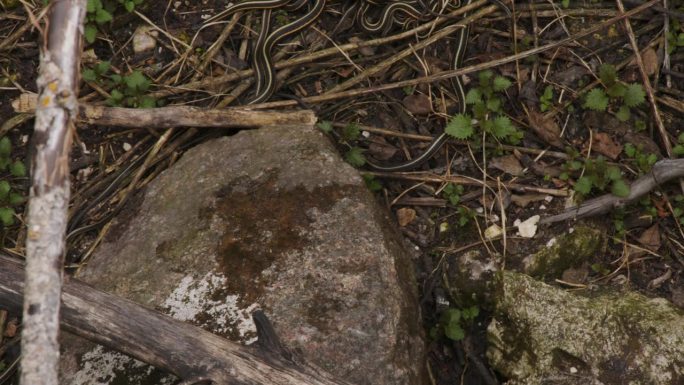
[{"x": 49, "y": 196}]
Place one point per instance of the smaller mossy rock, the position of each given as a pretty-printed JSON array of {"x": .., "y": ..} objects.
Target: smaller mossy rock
[
  {"x": 471, "y": 278},
  {"x": 541, "y": 332},
  {"x": 570, "y": 250}
]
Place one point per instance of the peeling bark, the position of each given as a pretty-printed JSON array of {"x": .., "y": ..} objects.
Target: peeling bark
[{"x": 49, "y": 195}]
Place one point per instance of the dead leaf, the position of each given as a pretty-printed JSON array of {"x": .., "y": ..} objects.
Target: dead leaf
[
  {"x": 418, "y": 104},
  {"x": 405, "y": 215},
  {"x": 508, "y": 164},
  {"x": 605, "y": 145},
  {"x": 650, "y": 238},
  {"x": 11, "y": 328},
  {"x": 650, "y": 60},
  {"x": 381, "y": 151},
  {"x": 575, "y": 275},
  {"x": 546, "y": 128},
  {"x": 569, "y": 76}
]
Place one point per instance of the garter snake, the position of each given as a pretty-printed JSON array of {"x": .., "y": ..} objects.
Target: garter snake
[
  {"x": 263, "y": 66},
  {"x": 439, "y": 141}
]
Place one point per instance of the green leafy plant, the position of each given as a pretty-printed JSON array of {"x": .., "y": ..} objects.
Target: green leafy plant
[
  {"x": 485, "y": 104},
  {"x": 325, "y": 126},
  {"x": 354, "y": 156},
  {"x": 100, "y": 12},
  {"x": 9, "y": 197},
  {"x": 453, "y": 322},
  {"x": 642, "y": 161},
  {"x": 126, "y": 91},
  {"x": 620, "y": 96},
  {"x": 678, "y": 149},
  {"x": 453, "y": 193},
  {"x": 372, "y": 183},
  {"x": 678, "y": 209},
  {"x": 675, "y": 37},
  {"x": 601, "y": 176},
  {"x": 546, "y": 100}
]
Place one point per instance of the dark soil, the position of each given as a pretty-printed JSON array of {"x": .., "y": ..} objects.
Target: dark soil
[{"x": 440, "y": 227}]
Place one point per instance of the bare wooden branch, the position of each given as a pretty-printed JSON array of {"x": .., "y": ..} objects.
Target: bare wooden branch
[
  {"x": 178, "y": 116},
  {"x": 187, "y": 351},
  {"x": 662, "y": 172},
  {"x": 49, "y": 196}
]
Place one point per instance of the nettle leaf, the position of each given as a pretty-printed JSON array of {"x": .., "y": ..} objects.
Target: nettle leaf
[
  {"x": 7, "y": 216},
  {"x": 607, "y": 74},
  {"x": 620, "y": 188},
  {"x": 634, "y": 95},
  {"x": 372, "y": 183},
  {"x": 623, "y": 114},
  {"x": 4, "y": 189},
  {"x": 494, "y": 104},
  {"x": 351, "y": 131},
  {"x": 325, "y": 126},
  {"x": 136, "y": 81},
  {"x": 678, "y": 150},
  {"x": 460, "y": 126},
  {"x": 629, "y": 150},
  {"x": 5, "y": 147},
  {"x": 470, "y": 313},
  {"x": 480, "y": 110},
  {"x": 18, "y": 169},
  {"x": 583, "y": 185},
  {"x": 502, "y": 127},
  {"x": 147, "y": 102},
  {"x": 501, "y": 83},
  {"x": 616, "y": 90},
  {"x": 16, "y": 199},
  {"x": 613, "y": 173},
  {"x": 88, "y": 75},
  {"x": 102, "y": 16},
  {"x": 93, "y": 5},
  {"x": 129, "y": 5},
  {"x": 102, "y": 67},
  {"x": 90, "y": 33},
  {"x": 473, "y": 96},
  {"x": 596, "y": 100},
  {"x": 355, "y": 157},
  {"x": 484, "y": 77}
]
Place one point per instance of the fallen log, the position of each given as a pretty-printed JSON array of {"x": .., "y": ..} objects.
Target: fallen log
[
  {"x": 187, "y": 351},
  {"x": 177, "y": 116}
]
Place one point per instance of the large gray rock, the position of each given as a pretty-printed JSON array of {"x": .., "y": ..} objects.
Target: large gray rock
[
  {"x": 269, "y": 219},
  {"x": 545, "y": 335}
]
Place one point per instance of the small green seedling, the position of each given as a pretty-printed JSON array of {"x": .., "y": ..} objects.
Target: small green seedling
[
  {"x": 620, "y": 96},
  {"x": 126, "y": 91},
  {"x": 453, "y": 193},
  {"x": 325, "y": 126},
  {"x": 485, "y": 104},
  {"x": 453, "y": 321},
  {"x": 372, "y": 183},
  {"x": 100, "y": 12},
  {"x": 679, "y": 148},
  {"x": 546, "y": 100},
  {"x": 600, "y": 176},
  {"x": 675, "y": 37},
  {"x": 642, "y": 161},
  {"x": 9, "y": 197}
]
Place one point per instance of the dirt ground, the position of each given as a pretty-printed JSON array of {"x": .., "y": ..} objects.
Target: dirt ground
[{"x": 561, "y": 124}]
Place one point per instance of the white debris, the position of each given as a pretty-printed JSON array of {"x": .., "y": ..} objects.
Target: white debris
[{"x": 528, "y": 228}]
